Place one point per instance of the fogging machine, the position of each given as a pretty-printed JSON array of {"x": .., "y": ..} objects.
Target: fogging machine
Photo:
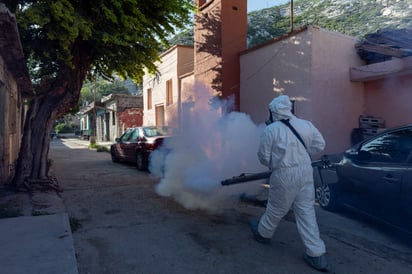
[{"x": 324, "y": 162}]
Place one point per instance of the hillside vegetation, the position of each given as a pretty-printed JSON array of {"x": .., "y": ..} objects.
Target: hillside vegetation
[{"x": 352, "y": 17}]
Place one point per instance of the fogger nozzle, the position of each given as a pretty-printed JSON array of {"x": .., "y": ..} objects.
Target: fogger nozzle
[{"x": 243, "y": 178}]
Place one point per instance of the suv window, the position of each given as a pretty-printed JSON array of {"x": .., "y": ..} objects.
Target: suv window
[{"x": 393, "y": 147}]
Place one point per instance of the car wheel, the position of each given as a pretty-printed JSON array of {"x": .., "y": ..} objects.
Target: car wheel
[
  {"x": 140, "y": 161},
  {"x": 327, "y": 196},
  {"x": 113, "y": 154}
]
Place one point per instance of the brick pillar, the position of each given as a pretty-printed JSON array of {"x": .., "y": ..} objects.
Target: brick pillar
[{"x": 220, "y": 35}]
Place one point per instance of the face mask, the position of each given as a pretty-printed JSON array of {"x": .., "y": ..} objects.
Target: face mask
[{"x": 270, "y": 120}]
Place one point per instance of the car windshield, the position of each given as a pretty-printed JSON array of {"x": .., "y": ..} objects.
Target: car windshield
[{"x": 155, "y": 131}]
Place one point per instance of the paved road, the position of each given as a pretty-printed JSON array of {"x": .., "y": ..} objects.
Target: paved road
[{"x": 123, "y": 226}]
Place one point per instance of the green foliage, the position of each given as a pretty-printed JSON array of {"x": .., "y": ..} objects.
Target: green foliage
[
  {"x": 354, "y": 18},
  {"x": 95, "y": 90},
  {"x": 185, "y": 37},
  {"x": 64, "y": 128},
  {"x": 108, "y": 35},
  {"x": 98, "y": 148}
]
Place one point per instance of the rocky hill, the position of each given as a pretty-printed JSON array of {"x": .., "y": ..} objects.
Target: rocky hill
[{"x": 352, "y": 17}]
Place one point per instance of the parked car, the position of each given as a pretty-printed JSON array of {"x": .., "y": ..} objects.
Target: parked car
[
  {"x": 374, "y": 177},
  {"x": 136, "y": 144}
]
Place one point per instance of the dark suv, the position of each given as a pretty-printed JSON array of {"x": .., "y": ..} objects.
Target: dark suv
[
  {"x": 375, "y": 178},
  {"x": 136, "y": 144}
]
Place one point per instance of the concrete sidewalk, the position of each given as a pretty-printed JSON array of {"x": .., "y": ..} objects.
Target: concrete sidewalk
[
  {"x": 74, "y": 142},
  {"x": 37, "y": 244},
  {"x": 41, "y": 240},
  {"x": 35, "y": 233}
]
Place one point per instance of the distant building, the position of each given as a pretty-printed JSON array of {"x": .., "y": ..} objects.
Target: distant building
[
  {"x": 213, "y": 61},
  {"x": 121, "y": 112},
  {"x": 114, "y": 114}
]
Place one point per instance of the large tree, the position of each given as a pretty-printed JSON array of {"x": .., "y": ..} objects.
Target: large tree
[{"x": 66, "y": 40}]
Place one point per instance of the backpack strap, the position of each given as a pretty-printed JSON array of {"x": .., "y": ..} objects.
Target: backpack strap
[{"x": 287, "y": 123}]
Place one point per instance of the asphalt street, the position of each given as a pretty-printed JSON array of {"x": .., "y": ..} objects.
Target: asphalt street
[{"x": 120, "y": 225}]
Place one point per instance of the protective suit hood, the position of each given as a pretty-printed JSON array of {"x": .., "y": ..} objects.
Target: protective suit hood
[{"x": 280, "y": 108}]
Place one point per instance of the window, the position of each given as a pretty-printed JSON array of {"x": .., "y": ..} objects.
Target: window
[
  {"x": 393, "y": 147},
  {"x": 126, "y": 135},
  {"x": 169, "y": 92},
  {"x": 149, "y": 98},
  {"x": 113, "y": 118},
  {"x": 135, "y": 135},
  {"x": 160, "y": 115}
]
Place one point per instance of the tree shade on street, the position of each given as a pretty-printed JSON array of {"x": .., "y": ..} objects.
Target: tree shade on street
[{"x": 65, "y": 41}]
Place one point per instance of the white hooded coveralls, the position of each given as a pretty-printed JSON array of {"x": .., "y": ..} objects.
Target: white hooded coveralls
[{"x": 291, "y": 181}]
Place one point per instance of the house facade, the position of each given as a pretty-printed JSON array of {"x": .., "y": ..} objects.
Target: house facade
[
  {"x": 114, "y": 114},
  {"x": 220, "y": 34},
  {"x": 311, "y": 66},
  {"x": 320, "y": 70},
  {"x": 15, "y": 87},
  {"x": 121, "y": 111},
  {"x": 329, "y": 83},
  {"x": 162, "y": 92},
  {"x": 387, "y": 89}
]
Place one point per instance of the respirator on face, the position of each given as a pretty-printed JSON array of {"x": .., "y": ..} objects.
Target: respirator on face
[{"x": 270, "y": 119}]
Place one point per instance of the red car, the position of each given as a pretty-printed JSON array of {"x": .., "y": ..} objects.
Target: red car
[{"x": 136, "y": 144}]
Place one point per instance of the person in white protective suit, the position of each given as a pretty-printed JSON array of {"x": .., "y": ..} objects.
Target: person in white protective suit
[{"x": 291, "y": 181}]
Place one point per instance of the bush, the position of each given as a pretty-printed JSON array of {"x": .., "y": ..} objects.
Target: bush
[
  {"x": 64, "y": 128},
  {"x": 99, "y": 148}
]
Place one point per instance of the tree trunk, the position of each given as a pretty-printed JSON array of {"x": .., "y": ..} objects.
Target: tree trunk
[{"x": 32, "y": 165}]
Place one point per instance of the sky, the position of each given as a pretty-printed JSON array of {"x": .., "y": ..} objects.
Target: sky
[{"x": 253, "y": 5}]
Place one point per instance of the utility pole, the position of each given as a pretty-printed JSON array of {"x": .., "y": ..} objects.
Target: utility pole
[
  {"x": 291, "y": 15},
  {"x": 93, "y": 122}
]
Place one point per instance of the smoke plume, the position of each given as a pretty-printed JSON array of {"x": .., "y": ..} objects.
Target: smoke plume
[{"x": 211, "y": 145}]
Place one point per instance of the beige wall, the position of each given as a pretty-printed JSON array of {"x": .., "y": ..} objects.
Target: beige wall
[
  {"x": 390, "y": 99},
  {"x": 312, "y": 67},
  {"x": 186, "y": 98},
  {"x": 178, "y": 60}
]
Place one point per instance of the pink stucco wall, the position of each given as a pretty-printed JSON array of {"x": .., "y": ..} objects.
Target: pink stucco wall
[
  {"x": 390, "y": 99},
  {"x": 337, "y": 102},
  {"x": 312, "y": 67},
  {"x": 281, "y": 67}
]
